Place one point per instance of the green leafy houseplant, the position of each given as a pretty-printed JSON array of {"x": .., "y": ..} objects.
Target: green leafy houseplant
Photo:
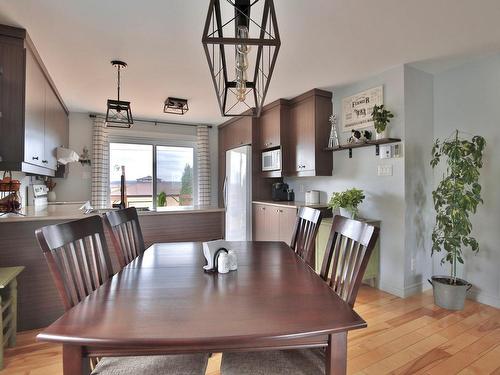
[
  {"x": 456, "y": 197},
  {"x": 162, "y": 199},
  {"x": 349, "y": 200},
  {"x": 381, "y": 117}
]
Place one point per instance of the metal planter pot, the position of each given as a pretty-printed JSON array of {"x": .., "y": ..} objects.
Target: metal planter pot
[{"x": 449, "y": 296}]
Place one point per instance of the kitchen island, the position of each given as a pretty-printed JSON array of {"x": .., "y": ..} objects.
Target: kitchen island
[{"x": 39, "y": 303}]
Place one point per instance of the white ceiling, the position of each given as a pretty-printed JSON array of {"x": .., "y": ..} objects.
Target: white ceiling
[{"x": 325, "y": 43}]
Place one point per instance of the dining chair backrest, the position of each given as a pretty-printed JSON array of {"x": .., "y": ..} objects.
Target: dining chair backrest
[
  {"x": 126, "y": 234},
  {"x": 305, "y": 231},
  {"x": 78, "y": 258},
  {"x": 348, "y": 250}
]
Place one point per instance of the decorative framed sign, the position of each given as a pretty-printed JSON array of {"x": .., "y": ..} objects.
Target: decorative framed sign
[{"x": 357, "y": 109}]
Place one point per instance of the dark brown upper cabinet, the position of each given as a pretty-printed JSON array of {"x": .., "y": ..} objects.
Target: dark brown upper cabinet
[
  {"x": 34, "y": 119},
  {"x": 306, "y": 135},
  {"x": 274, "y": 116},
  {"x": 233, "y": 133}
]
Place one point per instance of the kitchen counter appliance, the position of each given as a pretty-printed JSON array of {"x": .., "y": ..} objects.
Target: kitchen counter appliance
[
  {"x": 282, "y": 192},
  {"x": 271, "y": 160}
]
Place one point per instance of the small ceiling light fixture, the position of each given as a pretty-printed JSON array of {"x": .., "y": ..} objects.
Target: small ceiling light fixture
[
  {"x": 253, "y": 42},
  {"x": 176, "y": 106},
  {"x": 118, "y": 113}
]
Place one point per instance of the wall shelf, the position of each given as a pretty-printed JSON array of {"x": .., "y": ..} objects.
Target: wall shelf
[{"x": 375, "y": 143}]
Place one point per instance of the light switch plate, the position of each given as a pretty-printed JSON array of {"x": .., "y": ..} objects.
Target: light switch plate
[{"x": 384, "y": 170}]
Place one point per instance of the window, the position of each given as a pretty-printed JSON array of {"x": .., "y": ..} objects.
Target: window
[{"x": 156, "y": 175}]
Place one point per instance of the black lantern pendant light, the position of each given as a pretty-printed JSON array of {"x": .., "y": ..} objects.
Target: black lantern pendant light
[
  {"x": 241, "y": 83},
  {"x": 118, "y": 114},
  {"x": 175, "y": 106}
]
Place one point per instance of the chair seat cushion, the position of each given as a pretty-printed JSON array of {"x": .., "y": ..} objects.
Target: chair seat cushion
[
  {"x": 185, "y": 364},
  {"x": 275, "y": 362}
]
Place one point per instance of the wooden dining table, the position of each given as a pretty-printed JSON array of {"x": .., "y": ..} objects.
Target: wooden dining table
[{"x": 164, "y": 303}]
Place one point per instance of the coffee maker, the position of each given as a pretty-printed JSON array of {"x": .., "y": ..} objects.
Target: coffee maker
[{"x": 282, "y": 192}]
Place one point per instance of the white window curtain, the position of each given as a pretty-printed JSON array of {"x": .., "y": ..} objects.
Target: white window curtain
[
  {"x": 203, "y": 160},
  {"x": 100, "y": 165}
]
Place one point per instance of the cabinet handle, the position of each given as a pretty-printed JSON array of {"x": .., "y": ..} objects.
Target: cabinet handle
[
  {"x": 44, "y": 161},
  {"x": 35, "y": 157}
]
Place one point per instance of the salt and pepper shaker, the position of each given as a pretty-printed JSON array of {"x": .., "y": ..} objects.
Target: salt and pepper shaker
[
  {"x": 233, "y": 263},
  {"x": 223, "y": 263}
]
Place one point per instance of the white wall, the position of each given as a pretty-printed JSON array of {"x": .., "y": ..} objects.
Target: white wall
[
  {"x": 467, "y": 97},
  {"x": 77, "y": 185},
  {"x": 385, "y": 196}
]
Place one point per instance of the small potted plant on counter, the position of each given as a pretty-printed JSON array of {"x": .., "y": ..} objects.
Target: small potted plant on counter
[
  {"x": 455, "y": 199},
  {"x": 381, "y": 117},
  {"x": 347, "y": 201}
]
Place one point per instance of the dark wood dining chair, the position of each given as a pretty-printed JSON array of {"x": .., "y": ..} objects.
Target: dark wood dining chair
[
  {"x": 304, "y": 233},
  {"x": 78, "y": 259},
  {"x": 348, "y": 250},
  {"x": 126, "y": 234}
]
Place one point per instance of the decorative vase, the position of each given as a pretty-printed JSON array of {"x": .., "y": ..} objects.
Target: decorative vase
[
  {"x": 51, "y": 196},
  {"x": 346, "y": 213},
  {"x": 381, "y": 135}
]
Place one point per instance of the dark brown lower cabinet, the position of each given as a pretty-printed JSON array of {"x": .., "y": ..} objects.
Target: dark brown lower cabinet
[{"x": 273, "y": 223}]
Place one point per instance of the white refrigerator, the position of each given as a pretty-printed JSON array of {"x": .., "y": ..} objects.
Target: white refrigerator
[{"x": 238, "y": 194}]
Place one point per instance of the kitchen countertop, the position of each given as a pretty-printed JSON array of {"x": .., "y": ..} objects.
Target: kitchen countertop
[
  {"x": 290, "y": 204},
  {"x": 72, "y": 212}
]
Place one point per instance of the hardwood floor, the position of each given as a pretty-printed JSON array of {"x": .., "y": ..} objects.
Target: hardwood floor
[{"x": 404, "y": 336}]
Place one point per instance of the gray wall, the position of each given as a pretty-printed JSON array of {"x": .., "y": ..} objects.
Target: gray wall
[
  {"x": 468, "y": 98},
  {"x": 426, "y": 106},
  {"x": 385, "y": 196},
  {"x": 418, "y": 178}
]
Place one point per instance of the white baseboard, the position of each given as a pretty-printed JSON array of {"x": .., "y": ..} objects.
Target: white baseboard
[
  {"x": 391, "y": 290},
  {"x": 484, "y": 298},
  {"x": 422, "y": 287},
  {"x": 407, "y": 291}
]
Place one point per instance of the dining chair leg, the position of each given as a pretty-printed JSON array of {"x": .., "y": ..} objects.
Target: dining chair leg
[
  {"x": 74, "y": 363},
  {"x": 336, "y": 354}
]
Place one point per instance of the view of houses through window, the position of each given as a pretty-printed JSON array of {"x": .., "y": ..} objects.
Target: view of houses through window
[{"x": 174, "y": 184}]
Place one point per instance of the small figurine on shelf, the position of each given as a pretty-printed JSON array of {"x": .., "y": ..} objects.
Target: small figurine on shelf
[
  {"x": 360, "y": 136},
  {"x": 333, "y": 141}
]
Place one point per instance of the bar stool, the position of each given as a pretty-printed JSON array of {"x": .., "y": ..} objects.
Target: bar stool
[{"x": 8, "y": 303}]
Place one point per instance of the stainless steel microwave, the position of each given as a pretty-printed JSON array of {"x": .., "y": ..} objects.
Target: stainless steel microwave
[{"x": 271, "y": 160}]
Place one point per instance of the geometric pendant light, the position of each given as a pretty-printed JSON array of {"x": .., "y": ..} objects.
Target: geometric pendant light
[
  {"x": 241, "y": 42},
  {"x": 118, "y": 113}
]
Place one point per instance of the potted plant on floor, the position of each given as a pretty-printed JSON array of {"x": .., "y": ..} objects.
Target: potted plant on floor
[
  {"x": 381, "y": 117},
  {"x": 455, "y": 199},
  {"x": 347, "y": 201}
]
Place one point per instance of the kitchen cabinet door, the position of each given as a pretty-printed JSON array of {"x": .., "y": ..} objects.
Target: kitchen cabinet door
[
  {"x": 237, "y": 133},
  {"x": 11, "y": 100},
  {"x": 52, "y": 128},
  {"x": 302, "y": 137},
  {"x": 287, "y": 219},
  {"x": 274, "y": 218},
  {"x": 260, "y": 222},
  {"x": 269, "y": 124},
  {"x": 34, "y": 123}
]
